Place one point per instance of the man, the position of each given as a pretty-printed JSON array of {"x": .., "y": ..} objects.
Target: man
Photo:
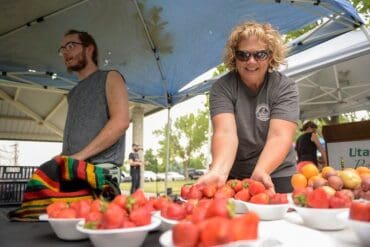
[
  {"x": 135, "y": 164},
  {"x": 97, "y": 115}
]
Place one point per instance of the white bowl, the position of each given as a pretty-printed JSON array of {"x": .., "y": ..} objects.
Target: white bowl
[
  {"x": 166, "y": 241},
  {"x": 361, "y": 228},
  {"x": 268, "y": 211},
  {"x": 64, "y": 228},
  {"x": 240, "y": 206},
  {"x": 129, "y": 237},
  {"x": 166, "y": 224},
  {"x": 322, "y": 218}
]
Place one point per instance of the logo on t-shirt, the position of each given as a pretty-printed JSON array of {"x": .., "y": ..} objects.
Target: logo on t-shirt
[{"x": 263, "y": 112}]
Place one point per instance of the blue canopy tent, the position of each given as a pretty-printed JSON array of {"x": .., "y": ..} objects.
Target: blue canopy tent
[{"x": 158, "y": 45}]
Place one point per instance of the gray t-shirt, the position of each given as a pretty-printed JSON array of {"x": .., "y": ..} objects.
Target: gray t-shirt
[
  {"x": 277, "y": 99},
  {"x": 87, "y": 114}
]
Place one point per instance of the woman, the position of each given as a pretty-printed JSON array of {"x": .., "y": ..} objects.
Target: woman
[
  {"x": 254, "y": 111},
  {"x": 308, "y": 143}
]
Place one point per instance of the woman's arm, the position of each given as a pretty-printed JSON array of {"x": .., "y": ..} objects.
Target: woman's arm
[
  {"x": 279, "y": 141},
  {"x": 224, "y": 147}
]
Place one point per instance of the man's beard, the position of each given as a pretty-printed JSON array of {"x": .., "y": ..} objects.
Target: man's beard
[{"x": 81, "y": 62}]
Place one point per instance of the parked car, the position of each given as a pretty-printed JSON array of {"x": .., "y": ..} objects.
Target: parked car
[
  {"x": 125, "y": 177},
  {"x": 150, "y": 176},
  {"x": 175, "y": 176},
  {"x": 161, "y": 176},
  {"x": 193, "y": 174}
]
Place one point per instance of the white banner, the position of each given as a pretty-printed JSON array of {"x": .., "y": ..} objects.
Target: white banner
[{"x": 350, "y": 154}]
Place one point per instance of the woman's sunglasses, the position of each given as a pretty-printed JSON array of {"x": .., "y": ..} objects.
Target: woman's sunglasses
[{"x": 257, "y": 55}]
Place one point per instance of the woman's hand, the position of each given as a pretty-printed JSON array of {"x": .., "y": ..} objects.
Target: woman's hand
[
  {"x": 264, "y": 178},
  {"x": 213, "y": 176}
]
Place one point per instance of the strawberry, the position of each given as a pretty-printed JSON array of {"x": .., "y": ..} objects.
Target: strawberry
[
  {"x": 93, "y": 220},
  {"x": 190, "y": 205},
  {"x": 318, "y": 199},
  {"x": 139, "y": 197},
  {"x": 67, "y": 213},
  {"x": 278, "y": 198},
  {"x": 54, "y": 208},
  {"x": 235, "y": 184},
  {"x": 126, "y": 223},
  {"x": 113, "y": 216},
  {"x": 224, "y": 191},
  {"x": 246, "y": 182},
  {"x": 140, "y": 216},
  {"x": 82, "y": 207},
  {"x": 194, "y": 193},
  {"x": 216, "y": 231},
  {"x": 221, "y": 207},
  {"x": 185, "y": 191},
  {"x": 120, "y": 200},
  {"x": 185, "y": 234},
  {"x": 209, "y": 190},
  {"x": 261, "y": 198},
  {"x": 160, "y": 202},
  {"x": 337, "y": 202},
  {"x": 244, "y": 227},
  {"x": 360, "y": 211},
  {"x": 243, "y": 195},
  {"x": 256, "y": 187},
  {"x": 174, "y": 211},
  {"x": 300, "y": 196},
  {"x": 98, "y": 205}
]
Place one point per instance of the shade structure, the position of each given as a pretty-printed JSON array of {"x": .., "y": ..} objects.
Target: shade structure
[{"x": 158, "y": 45}]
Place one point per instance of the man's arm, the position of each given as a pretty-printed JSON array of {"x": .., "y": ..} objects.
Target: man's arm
[
  {"x": 279, "y": 140},
  {"x": 117, "y": 99},
  {"x": 224, "y": 147}
]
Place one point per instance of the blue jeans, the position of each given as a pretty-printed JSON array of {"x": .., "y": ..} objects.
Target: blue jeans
[{"x": 135, "y": 178}]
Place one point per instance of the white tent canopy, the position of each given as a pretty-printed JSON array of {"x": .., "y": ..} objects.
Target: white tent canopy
[{"x": 333, "y": 77}]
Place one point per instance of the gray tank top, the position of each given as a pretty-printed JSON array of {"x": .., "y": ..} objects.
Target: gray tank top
[{"x": 87, "y": 115}]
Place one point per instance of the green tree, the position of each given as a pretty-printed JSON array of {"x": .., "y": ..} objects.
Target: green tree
[
  {"x": 192, "y": 130},
  {"x": 187, "y": 136},
  {"x": 162, "y": 151},
  {"x": 151, "y": 162}
]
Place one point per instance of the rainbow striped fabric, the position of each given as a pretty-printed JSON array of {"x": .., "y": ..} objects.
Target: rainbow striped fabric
[{"x": 62, "y": 179}]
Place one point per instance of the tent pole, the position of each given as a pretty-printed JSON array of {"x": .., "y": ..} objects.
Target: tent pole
[
  {"x": 167, "y": 147},
  {"x": 363, "y": 29}
]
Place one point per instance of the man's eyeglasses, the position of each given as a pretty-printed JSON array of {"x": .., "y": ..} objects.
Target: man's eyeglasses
[
  {"x": 68, "y": 47},
  {"x": 257, "y": 55}
]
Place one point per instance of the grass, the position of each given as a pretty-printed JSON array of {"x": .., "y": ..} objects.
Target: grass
[{"x": 158, "y": 187}]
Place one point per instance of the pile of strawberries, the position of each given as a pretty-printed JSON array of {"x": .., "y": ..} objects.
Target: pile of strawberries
[
  {"x": 123, "y": 212},
  {"x": 321, "y": 198},
  {"x": 208, "y": 222},
  {"x": 247, "y": 190},
  {"x": 360, "y": 210}
]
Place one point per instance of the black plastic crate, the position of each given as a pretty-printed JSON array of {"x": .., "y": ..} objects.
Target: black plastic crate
[
  {"x": 13, "y": 182},
  {"x": 16, "y": 173}
]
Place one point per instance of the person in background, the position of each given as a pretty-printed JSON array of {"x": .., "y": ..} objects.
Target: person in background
[
  {"x": 135, "y": 164},
  {"x": 98, "y": 114},
  {"x": 308, "y": 143},
  {"x": 254, "y": 110}
]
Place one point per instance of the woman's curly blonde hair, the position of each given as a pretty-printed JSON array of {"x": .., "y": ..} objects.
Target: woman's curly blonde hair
[{"x": 265, "y": 33}]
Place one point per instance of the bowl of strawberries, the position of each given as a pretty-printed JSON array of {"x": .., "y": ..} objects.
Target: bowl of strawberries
[
  {"x": 63, "y": 218},
  {"x": 319, "y": 208},
  {"x": 255, "y": 197},
  {"x": 358, "y": 219}
]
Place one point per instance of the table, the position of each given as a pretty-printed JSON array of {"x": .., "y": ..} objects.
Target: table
[{"x": 289, "y": 231}]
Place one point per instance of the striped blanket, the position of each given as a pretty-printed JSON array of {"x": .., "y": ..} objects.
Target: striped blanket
[{"x": 63, "y": 179}]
